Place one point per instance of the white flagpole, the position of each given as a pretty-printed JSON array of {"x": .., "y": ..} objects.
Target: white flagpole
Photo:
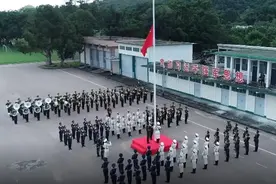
[{"x": 154, "y": 61}]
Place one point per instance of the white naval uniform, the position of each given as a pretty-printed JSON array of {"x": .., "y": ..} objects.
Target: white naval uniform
[
  {"x": 118, "y": 128},
  {"x": 129, "y": 126},
  {"x": 181, "y": 162},
  {"x": 106, "y": 149},
  {"x": 123, "y": 123},
  {"x": 174, "y": 149},
  {"x": 194, "y": 159},
  {"x": 107, "y": 120},
  {"x": 134, "y": 121},
  {"x": 216, "y": 152},
  {"x": 170, "y": 154},
  {"x": 138, "y": 114},
  {"x": 113, "y": 124},
  {"x": 184, "y": 150},
  {"x": 118, "y": 118},
  {"x": 140, "y": 126},
  {"x": 157, "y": 132},
  {"x": 185, "y": 141},
  {"x": 128, "y": 115},
  {"x": 144, "y": 119},
  {"x": 161, "y": 153},
  {"x": 205, "y": 156},
  {"x": 196, "y": 139},
  {"x": 206, "y": 143}
]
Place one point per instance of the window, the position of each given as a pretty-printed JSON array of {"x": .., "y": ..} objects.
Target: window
[
  {"x": 263, "y": 67},
  {"x": 172, "y": 75},
  {"x": 136, "y": 49},
  {"x": 257, "y": 94},
  {"x": 183, "y": 77},
  {"x": 195, "y": 80},
  {"x": 228, "y": 62},
  {"x": 112, "y": 52},
  {"x": 97, "y": 55},
  {"x": 223, "y": 86},
  {"x": 244, "y": 64},
  {"x": 221, "y": 59},
  {"x": 208, "y": 83},
  {"x": 122, "y": 47},
  {"x": 129, "y": 48},
  {"x": 239, "y": 90}
]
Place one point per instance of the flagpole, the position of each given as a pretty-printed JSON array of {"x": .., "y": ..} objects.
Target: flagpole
[{"x": 154, "y": 61}]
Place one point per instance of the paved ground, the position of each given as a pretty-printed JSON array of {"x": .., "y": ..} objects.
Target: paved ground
[{"x": 36, "y": 149}]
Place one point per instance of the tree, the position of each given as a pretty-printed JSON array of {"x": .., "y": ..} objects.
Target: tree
[{"x": 43, "y": 29}]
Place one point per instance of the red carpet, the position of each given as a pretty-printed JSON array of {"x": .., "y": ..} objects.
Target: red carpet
[{"x": 140, "y": 144}]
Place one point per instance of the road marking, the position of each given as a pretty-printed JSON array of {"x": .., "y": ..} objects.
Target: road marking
[
  {"x": 261, "y": 165},
  {"x": 83, "y": 79},
  {"x": 269, "y": 152}
]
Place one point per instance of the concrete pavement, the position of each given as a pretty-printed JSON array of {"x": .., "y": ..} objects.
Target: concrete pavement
[{"x": 39, "y": 140}]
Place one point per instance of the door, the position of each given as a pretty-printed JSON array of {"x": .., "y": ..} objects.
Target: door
[
  {"x": 95, "y": 58},
  {"x": 108, "y": 61},
  {"x": 104, "y": 59},
  {"x": 273, "y": 75},
  {"x": 197, "y": 89},
  {"x": 141, "y": 72},
  {"x": 101, "y": 63},
  {"x": 225, "y": 96},
  {"x": 254, "y": 71},
  {"x": 91, "y": 57},
  {"x": 259, "y": 106},
  {"x": 241, "y": 101},
  {"x": 127, "y": 68}
]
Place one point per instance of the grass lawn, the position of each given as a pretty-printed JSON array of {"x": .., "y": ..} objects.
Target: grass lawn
[{"x": 15, "y": 57}]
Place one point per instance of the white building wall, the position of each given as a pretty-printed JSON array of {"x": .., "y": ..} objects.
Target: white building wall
[
  {"x": 183, "y": 86},
  {"x": 233, "y": 98},
  {"x": 191, "y": 88},
  {"x": 208, "y": 92},
  {"x": 270, "y": 106},
  {"x": 87, "y": 54},
  {"x": 217, "y": 95},
  {"x": 82, "y": 57},
  {"x": 171, "y": 52},
  {"x": 172, "y": 83},
  {"x": 250, "y": 103}
]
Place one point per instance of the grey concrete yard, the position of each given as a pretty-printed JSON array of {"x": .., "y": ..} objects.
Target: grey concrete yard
[{"x": 31, "y": 152}]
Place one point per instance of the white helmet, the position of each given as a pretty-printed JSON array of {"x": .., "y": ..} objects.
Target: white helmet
[
  {"x": 206, "y": 147},
  {"x": 183, "y": 145},
  {"x": 186, "y": 137},
  {"x": 194, "y": 151},
  {"x": 162, "y": 144},
  {"x": 206, "y": 139},
  {"x": 174, "y": 141},
  {"x": 105, "y": 140},
  {"x": 217, "y": 143},
  {"x": 196, "y": 134},
  {"x": 158, "y": 124},
  {"x": 195, "y": 142}
]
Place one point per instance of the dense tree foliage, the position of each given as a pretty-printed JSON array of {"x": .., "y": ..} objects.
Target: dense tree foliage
[{"x": 46, "y": 28}]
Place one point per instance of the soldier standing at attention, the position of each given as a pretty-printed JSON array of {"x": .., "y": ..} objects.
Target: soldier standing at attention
[
  {"x": 246, "y": 142},
  {"x": 129, "y": 171},
  {"x": 168, "y": 169},
  {"x": 60, "y": 128},
  {"x": 186, "y": 115},
  {"x": 120, "y": 163},
  {"x": 105, "y": 170},
  {"x": 137, "y": 175},
  {"x": 99, "y": 144},
  {"x": 65, "y": 136},
  {"x": 144, "y": 167},
  {"x": 113, "y": 174},
  {"x": 78, "y": 134},
  {"x": 256, "y": 141},
  {"x": 148, "y": 154},
  {"x": 83, "y": 135},
  {"x": 237, "y": 147},
  {"x": 73, "y": 128},
  {"x": 69, "y": 139},
  {"x": 153, "y": 172}
]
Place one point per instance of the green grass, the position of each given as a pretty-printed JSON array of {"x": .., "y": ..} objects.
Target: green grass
[{"x": 15, "y": 57}]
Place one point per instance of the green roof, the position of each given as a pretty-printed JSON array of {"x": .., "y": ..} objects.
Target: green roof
[
  {"x": 250, "y": 54},
  {"x": 157, "y": 42}
]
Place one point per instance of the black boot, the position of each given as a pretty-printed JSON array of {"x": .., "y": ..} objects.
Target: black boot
[
  {"x": 194, "y": 171},
  {"x": 181, "y": 175},
  {"x": 205, "y": 167},
  {"x": 216, "y": 163}
]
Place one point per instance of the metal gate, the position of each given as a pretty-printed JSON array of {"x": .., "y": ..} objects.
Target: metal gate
[
  {"x": 259, "y": 106},
  {"x": 225, "y": 96},
  {"x": 241, "y": 101},
  {"x": 127, "y": 68},
  {"x": 197, "y": 89},
  {"x": 141, "y": 72}
]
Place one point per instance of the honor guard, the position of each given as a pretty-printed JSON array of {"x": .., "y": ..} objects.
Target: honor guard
[
  {"x": 153, "y": 172},
  {"x": 178, "y": 117},
  {"x": 139, "y": 124},
  {"x": 107, "y": 131},
  {"x": 227, "y": 150},
  {"x": 129, "y": 171},
  {"x": 186, "y": 115},
  {"x": 157, "y": 133},
  {"x": 123, "y": 124},
  {"x": 205, "y": 157},
  {"x": 102, "y": 149},
  {"x": 207, "y": 135},
  {"x": 158, "y": 163},
  {"x": 106, "y": 146},
  {"x": 101, "y": 128},
  {"x": 162, "y": 153},
  {"x": 228, "y": 126},
  {"x": 216, "y": 136},
  {"x": 118, "y": 130},
  {"x": 256, "y": 140},
  {"x": 170, "y": 154},
  {"x": 148, "y": 154},
  {"x": 69, "y": 139},
  {"x": 109, "y": 111},
  {"x": 135, "y": 159},
  {"x": 194, "y": 161},
  {"x": 105, "y": 170},
  {"x": 85, "y": 125},
  {"x": 122, "y": 100},
  {"x": 245, "y": 132},
  {"x": 120, "y": 163},
  {"x": 168, "y": 169},
  {"x": 129, "y": 127},
  {"x": 87, "y": 104},
  {"x": 73, "y": 129},
  {"x": 144, "y": 167},
  {"x": 90, "y": 131},
  {"x": 97, "y": 104},
  {"x": 148, "y": 133},
  {"x": 181, "y": 164},
  {"x": 184, "y": 151},
  {"x": 65, "y": 136},
  {"x": 95, "y": 133},
  {"x": 60, "y": 128},
  {"x": 174, "y": 145},
  {"x": 134, "y": 122},
  {"x": 216, "y": 153},
  {"x": 237, "y": 147},
  {"x": 78, "y": 106},
  {"x": 78, "y": 134},
  {"x": 99, "y": 144},
  {"x": 137, "y": 175},
  {"x": 235, "y": 129},
  {"x": 112, "y": 126},
  {"x": 83, "y": 135},
  {"x": 246, "y": 143},
  {"x": 113, "y": 174}
]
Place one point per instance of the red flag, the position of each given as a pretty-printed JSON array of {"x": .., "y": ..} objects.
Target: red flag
[{"x": 148, "y": 42}]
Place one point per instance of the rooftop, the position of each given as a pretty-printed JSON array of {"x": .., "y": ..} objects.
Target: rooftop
[
  {"x": 100, "y": 42},
  {"x": 250, "y": 54},
  {"x": 246, "y": 47},
  {"x": 140, "y": 42}
]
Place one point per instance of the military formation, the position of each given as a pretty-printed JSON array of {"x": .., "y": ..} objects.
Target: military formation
[
  {"x": 139, "y": 171},
  {"x": 76, "y": 102}
]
